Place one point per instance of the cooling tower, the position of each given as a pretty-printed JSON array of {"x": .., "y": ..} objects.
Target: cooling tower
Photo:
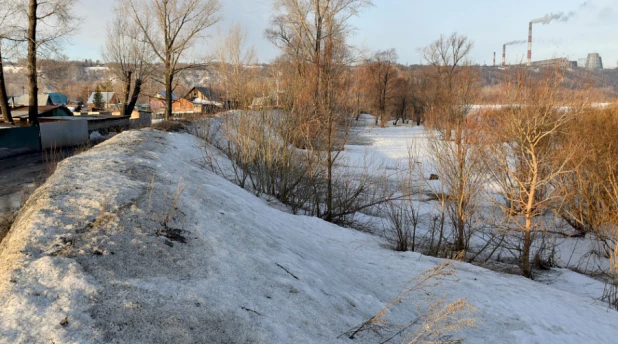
[{"x": 593, "y": 61}]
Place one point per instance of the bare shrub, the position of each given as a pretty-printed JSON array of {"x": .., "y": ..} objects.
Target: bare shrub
[
  {"x": 52, "y": 157},
  {"x": 403, "y": 213},
  {"x": 401, "y": 227},
  {"x": 610, "y": 292},
  {"x": 460, "y": 167},
  {"x": 587, "y": 202}
]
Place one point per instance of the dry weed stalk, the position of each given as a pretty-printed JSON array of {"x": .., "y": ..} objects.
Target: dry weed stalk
[{"x": 438, "y": 319}]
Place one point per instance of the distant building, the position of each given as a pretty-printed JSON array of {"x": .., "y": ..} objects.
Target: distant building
[
  {"x": 157, "y": 102},
  {"x": 44, "y": 99},
  {"x": 594, "y": 61},
  {"x": 109, "y": 99},
  {"x": 559, "y": 62},
  {"x": 205, "y": 100},
  {"x": 203, "y": 93}
]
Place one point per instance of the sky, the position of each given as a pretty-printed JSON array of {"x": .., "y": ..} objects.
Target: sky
[{"x": 408, "y": 25}]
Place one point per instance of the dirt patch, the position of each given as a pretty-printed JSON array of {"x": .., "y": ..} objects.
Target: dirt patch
[
  {"x": 5, "y": 225},
  {"x": 170, "y": 126}
]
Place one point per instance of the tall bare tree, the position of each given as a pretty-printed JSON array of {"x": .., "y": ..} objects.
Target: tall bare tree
[
  {"x": 451, "y": 75},
  {"x": 48, "y": 22},
  {"x": 312, "y": 34},
  {"x": 129, "y": 58},
  {"x": 455, "y": 86},
  {"x": 7, "y": 31},
  {"x": 233, "y": 55},
  {"x": 525, "y": 159},
  {"x": 171, "y": 28},
  {"x": 382, "y": 72}
]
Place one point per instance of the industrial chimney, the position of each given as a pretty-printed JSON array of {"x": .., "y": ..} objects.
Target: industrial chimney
[
  {"x": 494, "y": 58},
  {"x": 503, "y": 55},
  {"x": 530, "y": 44}
]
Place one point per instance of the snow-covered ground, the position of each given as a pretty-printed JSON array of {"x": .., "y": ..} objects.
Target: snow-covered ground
[{"x": 96, "y": 255}]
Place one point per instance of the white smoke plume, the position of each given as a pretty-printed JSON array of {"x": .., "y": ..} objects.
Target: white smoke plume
[
  {"x": 548, "y": 18},
  {"x": 515, "y": 42}
]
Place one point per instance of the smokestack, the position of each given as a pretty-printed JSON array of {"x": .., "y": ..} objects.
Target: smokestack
[
  {"x": 530, "y": 44},
  {"x": 494, "y": 58},
  {"x": 503, "y": 55}
]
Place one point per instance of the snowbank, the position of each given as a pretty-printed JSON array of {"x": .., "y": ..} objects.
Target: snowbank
[{"x": 97, "y": 255}]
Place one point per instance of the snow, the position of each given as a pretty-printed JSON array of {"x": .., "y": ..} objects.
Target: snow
[{"x": 85, "y": 247}]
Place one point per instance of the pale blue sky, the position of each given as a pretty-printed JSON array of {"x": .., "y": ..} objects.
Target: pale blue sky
[{"x": 407, "y": 25}]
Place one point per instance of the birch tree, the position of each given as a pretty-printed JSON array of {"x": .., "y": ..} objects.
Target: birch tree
[
  {"x": 524, "y": 157},
  {"x": 171, "y": 28}
]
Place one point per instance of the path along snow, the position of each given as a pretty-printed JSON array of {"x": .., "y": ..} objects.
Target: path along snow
[{"x": 96, "y": 256}]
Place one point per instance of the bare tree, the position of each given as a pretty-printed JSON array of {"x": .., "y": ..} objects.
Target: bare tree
[
  {"x": 312, "y": 34},
  {"x": 7, "y": 30},
  {"x": 382, "y": 73},
  {"x": 171, "y": 28},
  {"x": 458, "y": 163},
  {"x": 233, "y": 57},
  {"x": 129, "y": 58},
  {"x": 524, "y": 159},
  {"x": 49, "y": 22},
  {"x": 450, "y": 74}
]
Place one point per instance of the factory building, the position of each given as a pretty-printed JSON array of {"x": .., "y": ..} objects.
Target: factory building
[{"x": 559, "y": 62}]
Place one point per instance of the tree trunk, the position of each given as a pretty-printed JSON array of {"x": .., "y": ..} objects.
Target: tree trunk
[
  {"x": 168, "y": 96},
  {"x": 461, "y": 193},
  {"x": 136, "y": 91},
  {"x": 127, "y": 90},
  {"x": 33, "y": 106},
  {"x": 4, "y": 105},
  {"x": 526, "y": 268}
]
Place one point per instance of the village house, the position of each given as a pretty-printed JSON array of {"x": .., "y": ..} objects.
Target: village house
[
  {"x": 180, "y": 106},
  {"x": 157, "y": 102},
  {"x": 205, "y": 100},
  {"x": 109, "y": 100}
]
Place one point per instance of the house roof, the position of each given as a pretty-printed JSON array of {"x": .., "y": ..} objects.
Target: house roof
[
  {"x": 42, "y": 99},
  {"x": 107, "y": 97},
  {"x": 58, "y": 98},
  {"x": 22, "y": 111},
  {"x": 206, "y": 91}
]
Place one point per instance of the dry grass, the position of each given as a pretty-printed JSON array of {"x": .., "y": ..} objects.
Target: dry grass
[{"x": 438, "y": 319}]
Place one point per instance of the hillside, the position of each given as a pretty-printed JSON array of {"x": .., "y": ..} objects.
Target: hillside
[{"x": 135, "y": 241}]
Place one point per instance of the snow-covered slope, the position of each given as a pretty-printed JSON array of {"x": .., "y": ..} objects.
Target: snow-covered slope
[{"x": 96, "y": 256}]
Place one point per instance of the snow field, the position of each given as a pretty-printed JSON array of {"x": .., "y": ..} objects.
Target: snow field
[{"x": 86, "y": 247}]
